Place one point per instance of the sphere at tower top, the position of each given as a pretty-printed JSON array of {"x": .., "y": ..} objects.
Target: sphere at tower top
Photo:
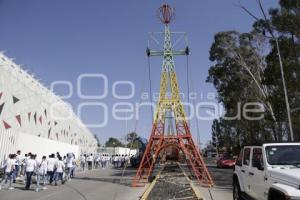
[{"x": 166, "y": 13}]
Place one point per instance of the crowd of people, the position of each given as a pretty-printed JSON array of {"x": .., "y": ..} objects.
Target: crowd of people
[
  {"x": 103, "y": 161},
  {"x": 45, "y": 171},
  {"x": 120, "y": 160},
  {"x": 54, "y": 169}
]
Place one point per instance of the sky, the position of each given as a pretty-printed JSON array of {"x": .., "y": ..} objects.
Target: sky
[{"x": 60, "y": 40}]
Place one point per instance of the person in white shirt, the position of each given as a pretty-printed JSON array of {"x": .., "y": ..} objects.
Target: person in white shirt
[
  {"x": 97, "y": 161},
  {"x": 9, "y": 167},
  {"x": 41, "y": 173},
  {"x": 102, "y": 158},
  {"x": 74, "y": 166},
  {"x": 108, "y": 160},
  {"x": 60, "y": 168},
  {"x": 50, "y": 168},
  {"x": 17, "y": 166},
  {"x": 119, "y": 160},
  {"x": 69, "y": 160},
  {"x": 90, "y": 161},
  {"x": 27, "y": 156},
  {"x": 23, "y": 161},
  {"x": 30, "y": 168},
  {"x": 115, "y": 161},
  {"x": 82, "y": 162}
]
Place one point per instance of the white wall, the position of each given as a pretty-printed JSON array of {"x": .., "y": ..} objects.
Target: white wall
[
  {"x": 125, "y": 151},
  {"x": 36, "y": 113},
  {"x": 44, "y": 147},
  {"x": 7, "y": 144}
]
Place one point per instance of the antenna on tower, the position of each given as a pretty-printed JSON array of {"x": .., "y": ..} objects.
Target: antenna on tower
[{"x": 166, "y": 13}]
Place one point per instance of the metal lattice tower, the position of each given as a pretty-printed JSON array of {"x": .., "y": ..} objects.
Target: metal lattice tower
[{"x": 179, "y": 137}]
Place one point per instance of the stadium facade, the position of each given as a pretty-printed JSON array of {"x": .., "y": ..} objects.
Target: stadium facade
[{"x": 33, "y": 119}]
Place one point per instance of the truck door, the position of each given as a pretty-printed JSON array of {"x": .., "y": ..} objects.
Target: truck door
[
  {"x": 245, "y": 169},
  {"x": 238, "y": 167},
  {"x": 258, "y": 184}
]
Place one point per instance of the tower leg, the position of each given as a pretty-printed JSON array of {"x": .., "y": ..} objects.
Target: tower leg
[
  {"x": 148, "y": 161},
  {"x": 196, "y": 162},
  {"x": 144, "y": 168}
]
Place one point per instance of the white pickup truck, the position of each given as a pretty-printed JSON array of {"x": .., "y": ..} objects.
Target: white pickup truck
[{"x": 268, "y": 172}]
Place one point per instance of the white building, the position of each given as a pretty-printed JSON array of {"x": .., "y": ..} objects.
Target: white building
[
  {"x": 117, "y": 151},
  {"x": 33, "y": 119}
]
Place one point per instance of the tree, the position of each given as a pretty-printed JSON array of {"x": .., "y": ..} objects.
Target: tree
[
  {"x": 237, "y": 76},
  {"x": 215, "y": 132},
  {"x": 248, "y": 67},
  {"x": 113, "y": 142},
  {"x": 131, "y": 136},
  {"x": 224, "y": 136},
  {"x": 285, "y": 24},
  {"x": 208, "y": 148},
  {"x": 282, "y": 27},
  {"x": 132, "y": 141}
]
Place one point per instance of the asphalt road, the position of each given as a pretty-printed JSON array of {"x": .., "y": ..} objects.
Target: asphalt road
[
  {"x": 222, "y": 177},
  {"x": 108, "y": 184},
  {"x": 222, "y": 189},
  {"x": 99, "y": 184}
]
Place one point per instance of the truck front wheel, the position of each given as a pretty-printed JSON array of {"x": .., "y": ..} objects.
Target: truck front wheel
[
  {"x": 236, "y": 191},
  {"x": 275, "y": 194}
]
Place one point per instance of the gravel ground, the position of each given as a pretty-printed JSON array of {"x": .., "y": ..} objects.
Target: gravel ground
[{"x": 172, "y": 184}]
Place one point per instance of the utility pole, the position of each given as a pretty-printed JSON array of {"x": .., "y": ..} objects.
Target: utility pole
[{"x": 285, "y": 91}]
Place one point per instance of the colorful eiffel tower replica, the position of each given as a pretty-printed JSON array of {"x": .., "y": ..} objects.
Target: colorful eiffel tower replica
[{"x": 167, "y": 136}]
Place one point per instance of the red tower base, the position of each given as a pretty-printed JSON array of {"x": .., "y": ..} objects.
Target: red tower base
[{"x": 181, "y": 143}]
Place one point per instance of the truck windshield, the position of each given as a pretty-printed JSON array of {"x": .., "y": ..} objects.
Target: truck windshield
[{"x": 283, "y": 155}]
